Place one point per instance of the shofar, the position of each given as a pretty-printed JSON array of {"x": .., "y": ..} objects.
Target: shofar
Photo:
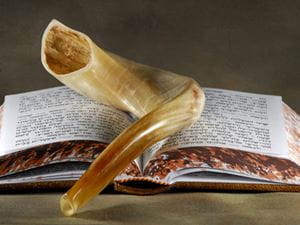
[{"x": 163, "y": 101}]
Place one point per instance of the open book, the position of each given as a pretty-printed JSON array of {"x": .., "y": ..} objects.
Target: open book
[{"x": 242, "y": 141}]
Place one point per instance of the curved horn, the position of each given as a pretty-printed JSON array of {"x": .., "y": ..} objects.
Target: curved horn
[{"x": 163, "y": 101}]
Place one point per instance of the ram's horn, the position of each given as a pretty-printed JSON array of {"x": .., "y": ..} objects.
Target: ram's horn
[{"x": 163, "y": 101}]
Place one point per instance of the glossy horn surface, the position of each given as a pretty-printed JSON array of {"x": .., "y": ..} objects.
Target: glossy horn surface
[{"x": 164, "y": 102}]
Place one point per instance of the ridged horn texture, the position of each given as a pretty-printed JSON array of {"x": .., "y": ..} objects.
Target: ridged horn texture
[{"x": 163, "y": 101}]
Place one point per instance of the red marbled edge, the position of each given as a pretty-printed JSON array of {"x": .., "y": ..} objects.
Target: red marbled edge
[
  {"x": 292, "y": 127},
  {"x": 67, "y": 151}
]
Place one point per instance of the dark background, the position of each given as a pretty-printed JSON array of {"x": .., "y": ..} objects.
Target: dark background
[{"x": 242, "y": 45}]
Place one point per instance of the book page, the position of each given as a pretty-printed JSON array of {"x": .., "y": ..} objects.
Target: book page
[
  {"x": 216, "y": 177},
  {"x": 57, "y": 114},
  {"x": 232, "y": 119}
]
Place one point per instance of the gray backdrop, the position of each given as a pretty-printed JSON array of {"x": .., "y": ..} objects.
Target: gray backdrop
[{"x": 243, "y": 45}]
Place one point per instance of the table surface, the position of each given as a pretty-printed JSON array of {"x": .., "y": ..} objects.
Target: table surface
[
  {"x": 242, "y": 45},
  {"x": 180, "y": 208}
]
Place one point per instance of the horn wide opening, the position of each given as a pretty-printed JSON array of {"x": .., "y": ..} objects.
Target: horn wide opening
[{"x": 66, "y": 51}]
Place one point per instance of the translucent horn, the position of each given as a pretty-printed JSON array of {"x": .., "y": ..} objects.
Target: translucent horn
[{"x": 164, "y": 102}]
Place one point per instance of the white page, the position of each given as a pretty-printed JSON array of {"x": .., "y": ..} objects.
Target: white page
[
  {"x": 217, "y": 177},
  {"x": 232, "y": 119},
  {"x": 56, "y": 114}
]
